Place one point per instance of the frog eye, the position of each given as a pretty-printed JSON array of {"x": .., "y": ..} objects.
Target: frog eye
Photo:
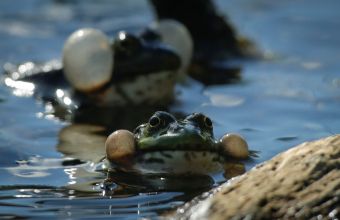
[
  {"x": 127, "y": 43},
  {"x": 154, "y": 121},
  {"x": 207, "y": 122}
]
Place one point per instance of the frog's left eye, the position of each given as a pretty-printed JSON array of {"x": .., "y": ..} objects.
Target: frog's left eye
[
  {"x": 208, "y": 122},
  {"x": 126, "y": 44},
  {"x": 154, "y": 121}
]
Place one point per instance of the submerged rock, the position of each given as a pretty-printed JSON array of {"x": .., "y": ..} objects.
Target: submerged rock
[{"x": 301, "y": 183}]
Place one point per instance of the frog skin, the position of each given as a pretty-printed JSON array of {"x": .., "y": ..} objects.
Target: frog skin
[
  {"x": 167, "y": 145},
  {"x": 144, "y": 72}
]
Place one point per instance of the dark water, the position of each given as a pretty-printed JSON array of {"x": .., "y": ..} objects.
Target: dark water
[{"x": 291, "y": 96}]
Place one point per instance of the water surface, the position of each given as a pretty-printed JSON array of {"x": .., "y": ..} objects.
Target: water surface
[{"x": 290, "y": 96}]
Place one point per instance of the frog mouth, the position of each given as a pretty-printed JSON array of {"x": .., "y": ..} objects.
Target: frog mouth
[{"x": 185, "y": 141}]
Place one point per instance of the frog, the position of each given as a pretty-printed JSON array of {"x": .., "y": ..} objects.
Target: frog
[
  {"x": 175, "y": 146},
  {"x": 131, "y": 69}
]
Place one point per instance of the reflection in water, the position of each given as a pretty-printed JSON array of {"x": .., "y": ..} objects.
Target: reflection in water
[
  {"x": 37, "y": 167},
  {"x": 137, "y": 182},
  {"x": 286, "y": 138},
  {"x": 21, "y": 88},
  {"x": 85, "y": 142},
  {"x": 224, "y": 100}
]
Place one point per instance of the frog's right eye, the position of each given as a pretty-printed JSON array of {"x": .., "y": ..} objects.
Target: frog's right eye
[{"x": 154, "y": 121}]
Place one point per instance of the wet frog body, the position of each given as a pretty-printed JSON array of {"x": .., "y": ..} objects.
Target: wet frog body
[
  {"x": 168, "y": 145},
  {"x": 177, "y": 145},
  {"x": 143, "y": 72}
]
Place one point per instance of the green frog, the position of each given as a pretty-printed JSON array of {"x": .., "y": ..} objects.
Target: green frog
[
  {"x": 131, "y": 69},
  {"x": 167, "y": 145}
]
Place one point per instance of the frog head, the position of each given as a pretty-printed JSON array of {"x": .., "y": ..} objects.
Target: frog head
[{"x": 163, "y": 132}]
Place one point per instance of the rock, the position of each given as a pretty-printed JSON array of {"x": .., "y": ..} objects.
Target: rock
[{"x": 301, "y": 183}]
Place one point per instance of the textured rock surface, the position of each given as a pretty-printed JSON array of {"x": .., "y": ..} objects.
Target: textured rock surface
[{"x": 301, "y": 183}]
